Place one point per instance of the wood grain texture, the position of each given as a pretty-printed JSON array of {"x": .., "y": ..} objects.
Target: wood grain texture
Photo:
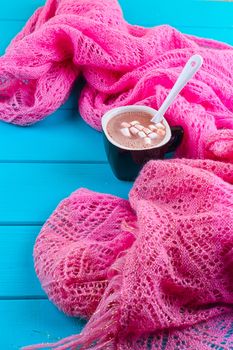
[
  {"x": 179, "y": 13},
  {"x": 33, "y": 321},
  {"x": 18, "y": 278},
  {"x": 30, "y": 192},
  {"x": 63, "y": 136},
  {"x": 148, "y": 12}
]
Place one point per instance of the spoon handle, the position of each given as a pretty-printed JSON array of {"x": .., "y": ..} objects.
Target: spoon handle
[{"x": 191, "y": 67}]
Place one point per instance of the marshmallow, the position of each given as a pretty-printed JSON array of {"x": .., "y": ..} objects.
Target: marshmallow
[
  {"x": 125, "y": 132},
  {"x": 152, "y": 127},
  {"x": 161, "y": 132},
  {"x": 147, "y": 140},
  {"x": 125, "y": 125},
  {"x": 133, "y": 130},
  {"x": 152, "y": 135},
  {"x": 139, "y": 127},
  {"x": 141, "y": 134},
  {"x": 147, "y": 131},
  {"x": 134, "y": 122},
  {"x": 160, "y": 126}
]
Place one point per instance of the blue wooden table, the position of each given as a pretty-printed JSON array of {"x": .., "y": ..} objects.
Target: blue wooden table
[{"x": 41, "y": 164}]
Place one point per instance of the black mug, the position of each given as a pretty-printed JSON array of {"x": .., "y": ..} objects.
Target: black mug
[{"x": 126, "y": 163}]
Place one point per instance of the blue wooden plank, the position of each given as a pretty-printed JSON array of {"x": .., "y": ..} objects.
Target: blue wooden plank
[
  {"x": 19, "y": 10},
  {"x": 18, "y": 278},
  {"x": 29, "y": 192},
  {"x": 147, "y": 12},
  {"x": 181, "y": 12},
  {"x": 24, "y": 322},
  {"x": 64, "y": 136},
  {"x": 10, "y": 29},
  {"x": 220, "y": 34}
]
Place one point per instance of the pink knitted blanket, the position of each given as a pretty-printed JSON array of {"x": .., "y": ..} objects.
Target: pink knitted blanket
[
  {"x": 122, "y": 64},
  {"x": 152, "y": 273}
]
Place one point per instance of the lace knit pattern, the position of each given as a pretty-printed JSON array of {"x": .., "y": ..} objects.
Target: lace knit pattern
[
  {"x": 85, "y": 228},
  {"x": 160, "y": 265},
  {"x": 122, "y": 64},
  {"x": 215, "y": 333}
]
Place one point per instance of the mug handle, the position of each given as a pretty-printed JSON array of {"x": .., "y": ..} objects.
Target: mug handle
[{"x": 176, "y": 138}]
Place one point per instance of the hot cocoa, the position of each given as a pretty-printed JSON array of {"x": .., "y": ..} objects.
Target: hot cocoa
[{"x": 134, "y": 130}]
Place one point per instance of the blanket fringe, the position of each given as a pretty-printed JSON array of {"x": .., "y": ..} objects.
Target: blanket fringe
[{"x": 101, "y": 330}]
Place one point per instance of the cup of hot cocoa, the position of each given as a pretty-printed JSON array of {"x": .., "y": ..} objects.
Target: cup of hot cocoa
[{"x": 131, "y": 139}]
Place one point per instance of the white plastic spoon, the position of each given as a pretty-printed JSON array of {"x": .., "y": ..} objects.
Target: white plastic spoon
[{"x": 191, "y": 67}]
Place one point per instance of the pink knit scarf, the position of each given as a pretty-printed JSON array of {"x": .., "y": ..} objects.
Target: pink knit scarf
[
  {"x": 122, "y": 64},
  {"x": 151, "y": 273}
]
